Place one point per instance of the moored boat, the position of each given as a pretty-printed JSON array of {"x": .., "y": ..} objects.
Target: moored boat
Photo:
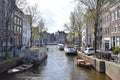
[
  {"x": 83, "y": 63},
  {"x": 20, "y": 68}
]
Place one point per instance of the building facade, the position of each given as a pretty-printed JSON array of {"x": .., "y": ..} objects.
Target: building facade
[
  {"x": 60, "y": 37},
  {"x": 11, "y": 26},
  {"x": 110, "y": 24},
  {"x": 7, "y": 22},
  {"x": 84, "y": 35},
  {"x": 115, "y": 23},
  {"x": 26, "y": 31},
  {"x": 46, "y": 37},
  {"x": 18, "y": 25}
]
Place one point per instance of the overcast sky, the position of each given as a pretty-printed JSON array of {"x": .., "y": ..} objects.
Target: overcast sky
[{"x": 55, "y": 12}]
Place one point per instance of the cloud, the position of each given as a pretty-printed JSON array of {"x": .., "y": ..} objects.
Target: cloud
[{"x": 55, "y": 12}]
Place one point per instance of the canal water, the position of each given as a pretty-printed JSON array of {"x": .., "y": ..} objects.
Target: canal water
[{"x": 58, "y": 66}]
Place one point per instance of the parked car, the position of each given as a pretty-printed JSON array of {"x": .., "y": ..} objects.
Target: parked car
[
  {"x": 89, "y": 51},
  {"x": 61, "y": 46},
  {"x": 70, "y": 50}
]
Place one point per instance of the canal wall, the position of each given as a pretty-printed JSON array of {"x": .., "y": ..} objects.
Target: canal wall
[
  {"x": 5, "y": 65},
  {"x": 98, "y": 64},
  {"x": 112, "y": 69},
  {"x": 40, "y": 53}
]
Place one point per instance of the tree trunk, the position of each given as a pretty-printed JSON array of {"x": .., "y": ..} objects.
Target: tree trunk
[
  {"x": 6, "y": 39},
  {"x": 96, "y": 23},
  {"x": 95, "y": 34}
]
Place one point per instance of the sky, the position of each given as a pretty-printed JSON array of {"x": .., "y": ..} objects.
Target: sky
[{"x": 55, "y": 13}]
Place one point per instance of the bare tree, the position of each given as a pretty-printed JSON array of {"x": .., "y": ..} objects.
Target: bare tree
[
  {"x": 34, "y": 12},
  {"x": 70, "y": 32},
  {"x": 41, "y": 26},
  {"x": 76, "y": 22},
  {"x": 21, "y": 4},
  {"x": 73, "y": 24},
  {"x": 79, "y": 12},
  {"x": 67, "y": 27},
  {"x": 31, "y": 10},
  {"x": 93, "y": 5},
  {"x": 35, "y": 33}
]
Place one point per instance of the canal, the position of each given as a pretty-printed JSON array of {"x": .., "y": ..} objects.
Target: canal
[{"x": 58, "y": 66}]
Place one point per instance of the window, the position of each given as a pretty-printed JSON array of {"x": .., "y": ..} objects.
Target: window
[
  {"x": 115, "y": 15},
  {"x": 118, "y": 27},
  {"x": 20, "y": 22},
  {"x": 20, "y": 29},
  {"x": 105, "y": 19},
  {"x": 115, "y": 28},
  {"x": 112, "y": 15},
  {"x": 15, "y": 20},
  {"x": 6, "y": 1},
  {"x": 108, "y": 30},
  {"x": 117, "y": 41},
  {"x": 15, "y": 28},
  {"x": 119, "y": 13}
]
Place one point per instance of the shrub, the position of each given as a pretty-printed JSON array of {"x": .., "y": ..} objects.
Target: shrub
[
  {"x": 8, "y": 57},
  {"x": 116, "y": 50}
]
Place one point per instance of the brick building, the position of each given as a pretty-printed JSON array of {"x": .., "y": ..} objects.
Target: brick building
[
  {"x": 18, "y": 25},
  {"x": 6, "y": 23},
  {"x": 60, "y": 37},
  {"x": 110, "y": 13}
]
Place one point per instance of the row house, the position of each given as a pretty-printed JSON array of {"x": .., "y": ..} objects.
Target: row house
[
  {"x": 26, "y": 31},
  {"x": 52, "y": 37},
  {"x": 46, "y": 37},
  {"x": 7, "y": 9},
  {"x": 110, "y": 13},
  {"x": 18, "y": 25},
  {"x": 22, "y": 29},
  {"x": 60, "y": 37},
  {"x": 115, "y": 23},
  {"x": 15, "y": 28}
]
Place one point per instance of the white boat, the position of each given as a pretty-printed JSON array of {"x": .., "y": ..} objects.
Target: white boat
[{"x": 20, "y": 68}]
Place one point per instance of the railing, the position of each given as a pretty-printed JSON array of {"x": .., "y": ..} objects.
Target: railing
[{"x": 107, "y": 56}]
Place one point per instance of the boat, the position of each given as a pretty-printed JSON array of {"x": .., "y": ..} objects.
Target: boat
[
  {"x": 84, "y": 64},
  {"x": 20, "y": 68}
]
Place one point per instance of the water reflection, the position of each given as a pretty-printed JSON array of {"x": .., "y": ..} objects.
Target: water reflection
[
  {"x": 38, "y": 68},
  {"x": 58, "y": 66}
]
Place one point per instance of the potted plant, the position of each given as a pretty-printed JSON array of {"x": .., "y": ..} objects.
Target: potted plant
[{"x": 116, "y": 51}]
